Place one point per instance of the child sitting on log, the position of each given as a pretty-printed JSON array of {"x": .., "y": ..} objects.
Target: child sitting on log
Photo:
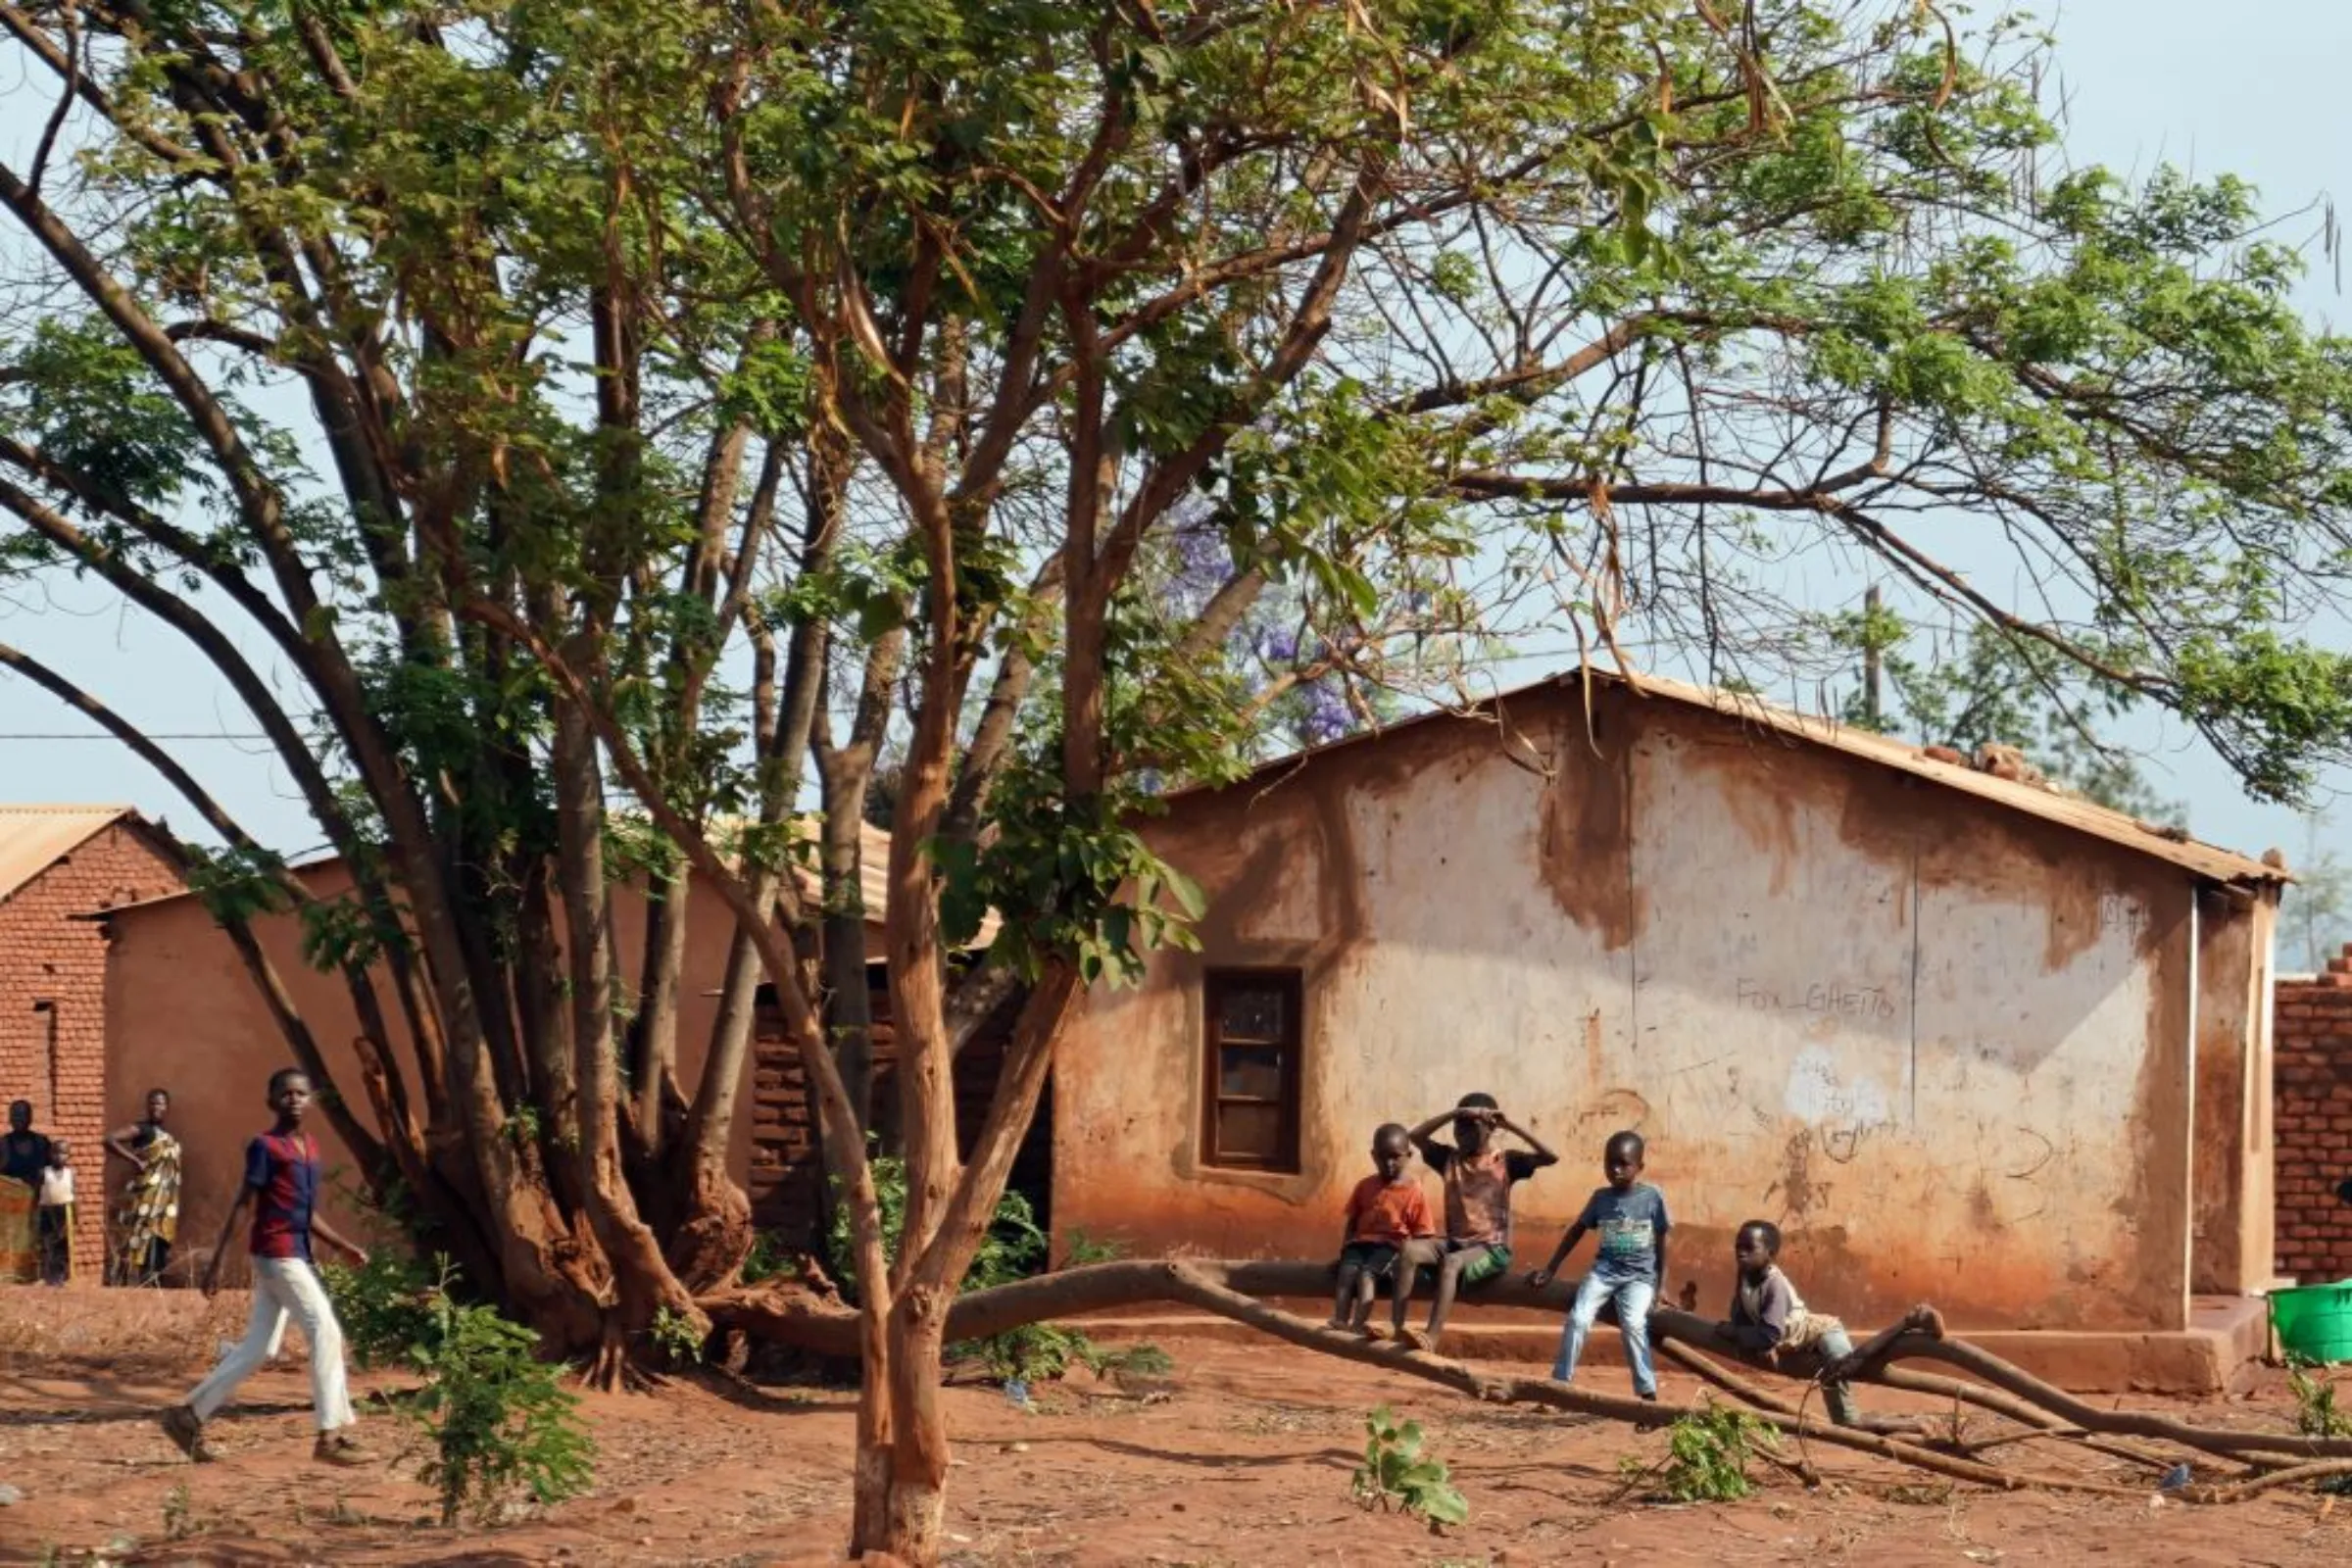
[
  {"x": 1769, "y": 1317},
  {"x": 1479, "y": 1176},
  {"x": 1386, "y": 1211}
]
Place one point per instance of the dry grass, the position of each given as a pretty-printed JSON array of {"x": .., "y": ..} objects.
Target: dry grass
[{"x": 120, "y": 1330}]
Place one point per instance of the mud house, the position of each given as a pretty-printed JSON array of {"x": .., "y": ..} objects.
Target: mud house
[
  {"x": 185, "y": 1015},
  {"x": 59, "y": 864},
  {"x": 1968, "y": 1040}
]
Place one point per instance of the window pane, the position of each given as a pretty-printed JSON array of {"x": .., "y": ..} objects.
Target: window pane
[
  {"x": 1249, "y": 1012},
  {"x": 1249, "y": 1133},
  {"x": 1250, "y": 1072}
]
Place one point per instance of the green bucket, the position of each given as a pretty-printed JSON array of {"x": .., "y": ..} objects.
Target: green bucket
[{"x": 2314, "y": 1322}]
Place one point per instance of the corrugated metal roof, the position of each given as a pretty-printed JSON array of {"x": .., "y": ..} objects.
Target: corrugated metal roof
[
  {"x": 873, "y": 875},
  {"x": 33, "y": 837},
  {"x": 2066, "y": 810}
]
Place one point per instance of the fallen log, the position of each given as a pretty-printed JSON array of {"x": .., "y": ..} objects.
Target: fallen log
[{"x": 1239, "y": 1292}]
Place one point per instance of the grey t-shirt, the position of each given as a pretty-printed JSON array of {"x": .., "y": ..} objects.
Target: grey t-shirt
[{"x": 1629, "y": 1225}]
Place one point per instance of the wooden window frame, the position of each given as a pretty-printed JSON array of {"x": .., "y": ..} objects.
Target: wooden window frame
[{"x": 1214, "y": 983}]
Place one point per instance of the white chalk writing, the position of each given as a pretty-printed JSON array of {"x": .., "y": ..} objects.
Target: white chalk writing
[{"x": 1843, "y": 998}]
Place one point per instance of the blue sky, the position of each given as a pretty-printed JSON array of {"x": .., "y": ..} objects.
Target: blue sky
[{"x": 2252, "y": 89}]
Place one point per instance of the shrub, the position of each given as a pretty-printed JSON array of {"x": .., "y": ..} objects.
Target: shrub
[
  {"x": 2318, "y": 1415},
  {"x": 383, "y": 1305},
  {"x": 494, "y": 1417},
  {"x": 1706, "y": 1455}
]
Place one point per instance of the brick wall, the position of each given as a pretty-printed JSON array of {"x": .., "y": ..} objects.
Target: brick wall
[
  {"x": 2312, "y": 1059},
  {"x": 786, "y": 1171},
  {"x": 53, "y": 1003}
]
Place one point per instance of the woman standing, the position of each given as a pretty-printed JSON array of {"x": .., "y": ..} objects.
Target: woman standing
[
  {"x": 147, "y": 1216},
  {"x": 24, "y": 1157}
]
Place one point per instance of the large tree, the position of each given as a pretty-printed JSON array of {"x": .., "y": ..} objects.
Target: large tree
[{"x": 707, "y": 399}]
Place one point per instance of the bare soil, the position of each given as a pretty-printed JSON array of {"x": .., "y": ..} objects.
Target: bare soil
[{"x": 1242, "y": 1460}]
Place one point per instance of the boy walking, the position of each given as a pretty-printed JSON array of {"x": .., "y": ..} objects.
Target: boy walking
[
  {"x": 1386, "y": 1211},
  {"x": 282, "y": 1188},
  {"x": 1479, "y": 1176},
  {"x": 1768, "y": 1316},
  {"x": 1630, "y": 1218}
]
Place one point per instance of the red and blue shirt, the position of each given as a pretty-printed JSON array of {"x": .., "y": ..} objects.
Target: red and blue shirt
[{"x": 283, "y": 1173}]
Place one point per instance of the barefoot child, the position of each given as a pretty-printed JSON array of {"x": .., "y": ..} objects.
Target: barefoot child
[
  {"x": 1768, "y": 1316},
  {"x": 282, "y": 1188},
  {"x": 1386, "y": 1210},
  {"x": 1630, "y": 1218},
  {"x": 1479, "y": 1177}
]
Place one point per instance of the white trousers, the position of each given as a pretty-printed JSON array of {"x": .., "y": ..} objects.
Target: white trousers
[{"x": 284, "y": 1288}]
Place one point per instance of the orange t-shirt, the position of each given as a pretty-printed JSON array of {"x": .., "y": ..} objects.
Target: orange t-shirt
[{"x": 1390, "y": 1214}]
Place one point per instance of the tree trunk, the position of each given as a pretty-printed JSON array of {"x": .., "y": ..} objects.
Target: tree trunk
[
  {"x": 916, "y": 1503},
  {"x": 642, "y": 1280}
]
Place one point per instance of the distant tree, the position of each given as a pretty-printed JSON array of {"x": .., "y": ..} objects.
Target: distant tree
[
  {"x": 2001, "y": 690},
  {"x": 2315, "y": 917}
]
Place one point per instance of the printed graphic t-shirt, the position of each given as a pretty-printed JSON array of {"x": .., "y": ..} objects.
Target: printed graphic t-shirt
[
  {"x": 1629, "y": 1225},
  {"x": 1389, "y": 1213},
  {"x": 1478, "y": 1189},
  {"x": 283, "y": 1173}
]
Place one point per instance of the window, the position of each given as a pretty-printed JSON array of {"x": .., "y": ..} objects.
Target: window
[
  {"x": 44, "y": 1113},
  {"x": 1253, "y": 1033}
]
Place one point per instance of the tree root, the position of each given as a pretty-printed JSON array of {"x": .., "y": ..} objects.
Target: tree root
[{"x": 1239, "y": 1290}]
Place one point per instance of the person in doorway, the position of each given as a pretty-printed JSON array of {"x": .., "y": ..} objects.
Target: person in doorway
[
  {"x": 281, "y": 1189},
  {"x": 1629, "y": 1215},
  {"x": 53, "y": 1224},
  {"x": 147, "y": 1216},
  {"x": 1479, "y": 1176},
  {"x": 1386, "y": 1210},
  {"x": 23, "y": 1161},
  {"x": 1769, "y": 1318}
]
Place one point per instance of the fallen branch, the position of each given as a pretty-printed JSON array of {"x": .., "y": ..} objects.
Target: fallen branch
[{"x": 1241, "y": 1292}]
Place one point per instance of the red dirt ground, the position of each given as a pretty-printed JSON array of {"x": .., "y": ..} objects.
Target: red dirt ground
[{"x": 1245, "y": 1462}]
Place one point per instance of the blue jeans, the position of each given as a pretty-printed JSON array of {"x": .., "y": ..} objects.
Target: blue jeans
[
  {"x": 1837, "y": 1395},
  {"x": 1632, "y": 1298}
]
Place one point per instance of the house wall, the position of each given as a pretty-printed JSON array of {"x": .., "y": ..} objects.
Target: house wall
[
  {"x": 2232, "y": 1242},
  {"x": 1947, "y": 1046},
  {"x": 186, "y": 1018},
  {"x": 52, "y": 1005},
  {"x": 2314, "y": 1078}
]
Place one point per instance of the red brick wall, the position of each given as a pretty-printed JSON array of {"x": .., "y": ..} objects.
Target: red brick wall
[
  {"x": 2313, "y": 1076},
  {"x": 786, "y": 1171},
  {"x": 53, "y": 1003}
]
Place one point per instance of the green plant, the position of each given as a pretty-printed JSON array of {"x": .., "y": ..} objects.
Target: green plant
[
  {"x": 496, "y": 1416},
  {"x": 673, "y": 1334},
  {"x": 179, "y": 1513},
  {"x": 1084, "y": 1248},
  {"x": 1395, "y": 1473},
  {"x": 2317, "y": 1413},
  {"x": 769, "y": 1258},
  {"x": 1706, "y": 1455},
  {"x": 384, "y": 1304}
]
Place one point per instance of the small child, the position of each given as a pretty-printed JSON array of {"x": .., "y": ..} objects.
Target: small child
[
  {"x": 1479, "y": 1177},
  {"x": 282, "y": 1188},
  {"x": 1386, "y": 1210},
  {"x": 54, "y": 1223},
  {"x": 1768, "y": 1316},
  {"x": 1629, "y": 1216}
]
